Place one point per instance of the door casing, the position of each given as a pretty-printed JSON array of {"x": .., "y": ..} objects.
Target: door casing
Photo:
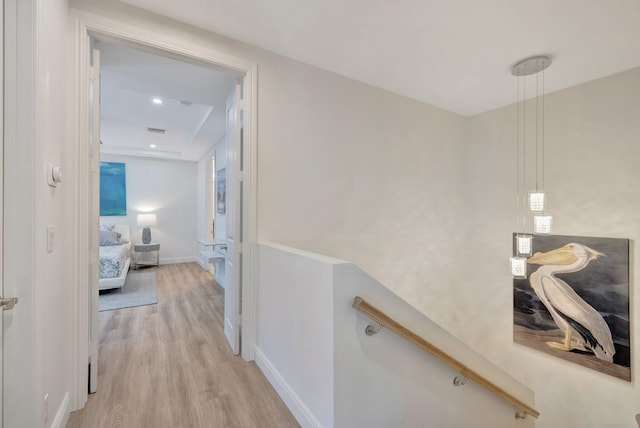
[{"x": 90, "y": 25}]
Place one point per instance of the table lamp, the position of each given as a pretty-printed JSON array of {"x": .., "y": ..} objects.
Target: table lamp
[{"x": 146, "y": 220}]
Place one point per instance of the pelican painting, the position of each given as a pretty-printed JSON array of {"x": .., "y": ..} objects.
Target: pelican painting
[
  {"x": 583, "y": 326},
  {"x": 575, "y": 300}
]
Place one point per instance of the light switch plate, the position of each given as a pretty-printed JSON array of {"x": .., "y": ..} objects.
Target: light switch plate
[{"x": 50, "y": 235}]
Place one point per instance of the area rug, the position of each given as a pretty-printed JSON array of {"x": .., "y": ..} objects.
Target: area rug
[{"x": 139, "y": 290}]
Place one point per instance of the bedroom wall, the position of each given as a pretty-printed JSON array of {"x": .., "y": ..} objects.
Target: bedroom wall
[
  {"x": 592, "y": 175},
  {"x": 169, "y": 189}
]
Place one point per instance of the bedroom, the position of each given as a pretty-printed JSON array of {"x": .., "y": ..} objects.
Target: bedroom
[
  {"x": 162, "y": 147},
  {"x": 164, "y": 120}
]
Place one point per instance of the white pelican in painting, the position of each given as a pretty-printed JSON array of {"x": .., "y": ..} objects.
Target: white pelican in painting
[{"x": 583, "y": 326}]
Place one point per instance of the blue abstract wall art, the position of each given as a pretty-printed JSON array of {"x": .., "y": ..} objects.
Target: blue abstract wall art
[{"x": 113, "y": 189}]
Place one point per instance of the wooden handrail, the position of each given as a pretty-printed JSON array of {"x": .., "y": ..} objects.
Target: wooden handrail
[{"x": 389, "y": 323}]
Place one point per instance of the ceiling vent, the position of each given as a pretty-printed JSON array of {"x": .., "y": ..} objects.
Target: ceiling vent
[
  {"x": 157, "y": 130},
  {"x": 185, "y": 103}
]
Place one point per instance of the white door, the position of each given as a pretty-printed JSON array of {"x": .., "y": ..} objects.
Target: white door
[
  {"x": 6, "y": 304},
  {"x": 233, "y": 278},
  {"x": 94, "y": 214}
]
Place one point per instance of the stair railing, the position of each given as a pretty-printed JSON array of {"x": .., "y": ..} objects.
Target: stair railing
[{"x": 383, "y": 320}]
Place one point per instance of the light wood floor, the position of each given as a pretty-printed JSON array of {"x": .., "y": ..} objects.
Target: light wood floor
[{"x": 169, "y": 365}]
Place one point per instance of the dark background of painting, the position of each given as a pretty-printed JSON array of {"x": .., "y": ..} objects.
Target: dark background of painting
[{"x": 604, "y": 284}]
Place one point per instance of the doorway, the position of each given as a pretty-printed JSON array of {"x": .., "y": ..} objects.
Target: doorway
[
  {"x": 244, "y": 167},
  {"x": 157, "y": 119}
]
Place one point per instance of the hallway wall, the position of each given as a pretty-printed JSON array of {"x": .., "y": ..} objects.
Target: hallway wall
[
  {"x": 363, "y": 175},
  {"x": 348, "y": 170}
]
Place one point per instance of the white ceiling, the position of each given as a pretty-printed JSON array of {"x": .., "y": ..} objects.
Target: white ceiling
[
  {"x": 455, "y": 54},
  {"x": 192, "y": 112}
]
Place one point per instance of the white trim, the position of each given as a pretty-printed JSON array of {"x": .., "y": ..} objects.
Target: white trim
[
  {"x": 80, "y": 296},
  {"x": 89, "y": 24},
  {"x": 300, "y": 411},
  {"x": 108, "y": 29},
  {"x": 62, "y": 415},
  {"x": 250, "y": 253}
]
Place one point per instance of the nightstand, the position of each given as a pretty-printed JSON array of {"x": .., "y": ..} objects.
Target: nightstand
[{"x": 145, "y": 248}]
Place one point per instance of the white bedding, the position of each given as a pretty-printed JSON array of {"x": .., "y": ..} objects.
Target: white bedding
[{"x": 114, "y": 260}]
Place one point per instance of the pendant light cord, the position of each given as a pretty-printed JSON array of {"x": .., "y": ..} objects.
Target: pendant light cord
[
  {"x": 518, "y": 155},
  {"x": 524, "y": 149},
  {"x": 537, "y": 124},
  {"x": 543, "y": 91}
]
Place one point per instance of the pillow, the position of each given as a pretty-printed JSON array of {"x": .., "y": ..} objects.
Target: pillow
[
  {"x": 108, "y": 238},
  {"x": 123, "y": 230}
]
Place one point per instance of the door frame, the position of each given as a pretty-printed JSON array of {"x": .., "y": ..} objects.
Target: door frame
[{"x": 90, "y": 25}]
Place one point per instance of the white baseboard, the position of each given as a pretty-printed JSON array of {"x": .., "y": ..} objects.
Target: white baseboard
[
  {"x": 62, "y": 415},
  {"x": 173, "y": 260},
  {"x": 300, "y": 411}
]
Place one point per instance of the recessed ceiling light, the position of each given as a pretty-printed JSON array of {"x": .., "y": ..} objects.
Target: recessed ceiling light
[
  {"x": 153, "y": 146},
  {"x": 157, "y": 100}
]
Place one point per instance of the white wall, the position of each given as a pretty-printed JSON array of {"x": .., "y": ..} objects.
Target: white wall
[
  {"x": 169, "y": 189},
  {"x": 295, "y": 329},
  {"x": 333, "y": 375},
  {"x": 37, "y": 336},
  {"x": 592, "y": 180},
  {"x": 363, "y": 175},
  {"x": 384, "y": 381}
]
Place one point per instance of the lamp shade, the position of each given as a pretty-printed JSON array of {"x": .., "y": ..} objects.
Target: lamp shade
[
  {"x": 518, "y": 267},
  {"x": 536, "y": 201},
  {"x": 147, "y": 220},
  {"x": 542, "y": 223}
]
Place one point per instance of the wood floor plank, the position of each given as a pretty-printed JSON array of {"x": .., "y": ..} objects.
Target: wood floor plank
[{"x": 169, "y": 365}]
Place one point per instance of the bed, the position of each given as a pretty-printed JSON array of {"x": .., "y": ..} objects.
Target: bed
[{"x": 114, "y": 256}]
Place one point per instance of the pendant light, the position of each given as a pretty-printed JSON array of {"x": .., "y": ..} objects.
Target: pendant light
[{"x": 536, "y": 201}]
